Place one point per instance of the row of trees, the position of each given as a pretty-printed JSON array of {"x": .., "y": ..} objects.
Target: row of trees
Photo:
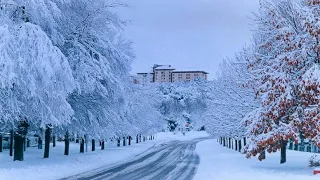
[
  {"x": 270, "y": 91},
  {"x": 65, "y": 70}
]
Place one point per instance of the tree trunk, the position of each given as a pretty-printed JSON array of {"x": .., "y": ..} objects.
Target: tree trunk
[
  {"x": 244, "y": 141},
  {"x": 11, "y": 142},
  {"x": 118, "y": 142},
  {"x": 283, "y": 158},
  {"x": 66, "y": 144},
  {"x": 93, "y": 144},
  {"x": 236, "y": 143},
  {"x": 129, "y": 143},
  {"x": 1, "y": 141},
  {"x": 124, "y": 141},
  {"x": 39, "y": 143},
  {"x": 86, "y": 142},
  {"x": 240, "y": 145},
  {"x": 47, "y": 142},
  {"x": 28, "y": 142},
  {"x": 224, "y": 142},
  {"x": 263, "y": 154},
  {"x": 140, "y": 137},
  {"x": 137, "y": 139},
  {"x": 291, "y": 145},
  {"x": 18, "y": 147},
  {"x": 229, "y": 143},
  {"x": 102, "y": 145},
  {"x": 81, "y": 145},
  {"x": 296, "y": 147},
  {"x": 53, "y": 141},
  {"x": 302, "y": 147},
  {"x": 24, "y": 143},
  {"x": 309, "y": 148}
]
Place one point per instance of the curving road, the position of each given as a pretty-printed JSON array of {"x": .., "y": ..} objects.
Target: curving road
[{"x": 175, "y": 160}]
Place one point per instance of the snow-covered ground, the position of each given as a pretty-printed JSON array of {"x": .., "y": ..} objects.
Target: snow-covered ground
[
  {"x": 220, "y": 163},
  {"x": 58, "y": 166}
]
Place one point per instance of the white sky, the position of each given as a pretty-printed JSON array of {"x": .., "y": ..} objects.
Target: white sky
[{"x": 188, "y": 34}]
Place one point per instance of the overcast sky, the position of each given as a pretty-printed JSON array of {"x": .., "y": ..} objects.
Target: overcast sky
[{"x": 187, "y": 34}]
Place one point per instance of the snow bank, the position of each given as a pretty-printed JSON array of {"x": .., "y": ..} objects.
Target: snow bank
[
  {"x": 58, "y": 166},
  {"x": 220, "y": 163}
]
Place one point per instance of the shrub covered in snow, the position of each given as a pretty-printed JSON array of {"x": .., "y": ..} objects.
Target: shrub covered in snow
[{"x": 314, "y": 161}]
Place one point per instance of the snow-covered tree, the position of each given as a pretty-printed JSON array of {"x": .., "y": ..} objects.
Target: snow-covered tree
[
  {"x": 143, "y": 109},
  {"x": 229, "y": 99},
  {"x": 183, "y": 103},
  {"x": 286, "y": 47},
  {"x": 38, "y": 76}
]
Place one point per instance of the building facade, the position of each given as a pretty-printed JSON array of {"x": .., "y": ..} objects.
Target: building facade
[
  {"x": 163, "y": 74},
  {"x": 187, "y": 76},
  {"x": 167, "y": 74}
]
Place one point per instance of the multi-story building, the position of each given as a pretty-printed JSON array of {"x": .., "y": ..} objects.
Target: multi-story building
[
  {"x": 165, "y": 73},
  {"x": 187, "y": 76}
]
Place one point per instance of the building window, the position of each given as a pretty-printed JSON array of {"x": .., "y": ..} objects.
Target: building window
[
  {"x": 187, "y": 74},
  {"x": 179, "y": 74}
]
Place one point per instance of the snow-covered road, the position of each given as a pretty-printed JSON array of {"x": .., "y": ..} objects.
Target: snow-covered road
[{"x": 174, "y": 160}]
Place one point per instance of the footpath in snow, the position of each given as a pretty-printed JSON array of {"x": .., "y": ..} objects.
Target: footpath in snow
[
  {"x": 221, "y": 163},
  {"x": 59, "y": 166}
]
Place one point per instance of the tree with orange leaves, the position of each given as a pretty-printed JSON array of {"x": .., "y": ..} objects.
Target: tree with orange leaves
[{"x": 283, "y": 76}]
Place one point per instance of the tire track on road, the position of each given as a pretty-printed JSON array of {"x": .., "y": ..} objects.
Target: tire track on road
[{"x": 172, "y": 161}]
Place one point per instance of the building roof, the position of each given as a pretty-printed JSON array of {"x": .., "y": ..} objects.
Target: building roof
[
  {"x": 144, "y": 73},
  {"x": 165, "y": 67},
  {"x": 190, "y": 72}
]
